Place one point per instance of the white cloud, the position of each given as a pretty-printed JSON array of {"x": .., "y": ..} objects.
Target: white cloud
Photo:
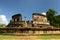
[
  {"x": 44, "y": 13},
  {"x": 3, "y": 19}
]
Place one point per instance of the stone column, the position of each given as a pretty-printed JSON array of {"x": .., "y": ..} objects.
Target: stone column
[{"x": 25, "y": 22}]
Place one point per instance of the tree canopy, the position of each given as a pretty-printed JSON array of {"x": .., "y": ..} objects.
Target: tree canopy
[
  {"x": 2, "y": 25},
  {"x": 53, "y": 18}
]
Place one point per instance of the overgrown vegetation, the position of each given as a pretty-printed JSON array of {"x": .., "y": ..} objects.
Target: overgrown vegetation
[{"x": 53, "y": 18}]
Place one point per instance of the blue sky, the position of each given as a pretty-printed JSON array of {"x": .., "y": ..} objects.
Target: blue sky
[{"x": 27, "y": 7}]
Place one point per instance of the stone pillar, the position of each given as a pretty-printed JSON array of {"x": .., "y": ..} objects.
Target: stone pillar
[{"x": 25, "y": 22}]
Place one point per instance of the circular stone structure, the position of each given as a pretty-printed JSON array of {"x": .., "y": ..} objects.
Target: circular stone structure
[{"x": 17, "y": 17}]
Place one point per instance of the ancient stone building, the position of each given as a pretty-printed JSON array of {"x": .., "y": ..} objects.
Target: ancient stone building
[
  {"x": 37, "y": 26},
  {"x": 16, "y": 21},
  {"x": 40, "y": 20}
]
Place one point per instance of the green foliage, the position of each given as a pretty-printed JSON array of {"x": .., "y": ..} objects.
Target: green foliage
[
  {"x": 57, "y": 20},
  {"x": 53, "y": 18},
  {"x": 50, "y": 14},
  {"x": 2, "y": 25}
]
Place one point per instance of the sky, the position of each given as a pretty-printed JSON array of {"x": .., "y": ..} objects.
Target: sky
[{"x": 26, "y": 8}]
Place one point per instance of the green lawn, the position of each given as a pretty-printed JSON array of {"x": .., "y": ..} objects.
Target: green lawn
[
  {"x": 49, "y": 36},
  {"x": 39, "y": 37},
  {"x": 9, "y": 37}
]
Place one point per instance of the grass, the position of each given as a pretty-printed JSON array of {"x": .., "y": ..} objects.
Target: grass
[
  {"x": 9, "y": 37},
  {"x": 38, "y": 37},
  {"x": 49, "y": 37}
]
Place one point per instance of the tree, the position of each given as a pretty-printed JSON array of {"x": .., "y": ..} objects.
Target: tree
[
  {"x": 2, "y": 25},
  {"x": 57, "y": 20},
  {"x": 51, "y": 16}
]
